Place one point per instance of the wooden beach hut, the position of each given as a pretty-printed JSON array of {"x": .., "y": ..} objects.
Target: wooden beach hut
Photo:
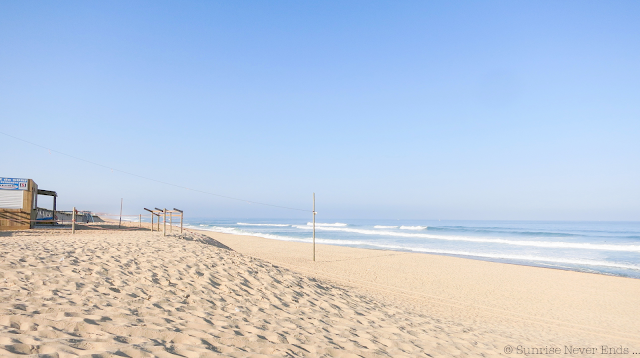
[{"x": 19, "y": 203}]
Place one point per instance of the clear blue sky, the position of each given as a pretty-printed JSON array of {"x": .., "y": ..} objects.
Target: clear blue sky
[{"x": 397, "y": 109}]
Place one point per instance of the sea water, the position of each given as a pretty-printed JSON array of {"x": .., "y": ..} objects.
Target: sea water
[{"x": 611, "y": 248}]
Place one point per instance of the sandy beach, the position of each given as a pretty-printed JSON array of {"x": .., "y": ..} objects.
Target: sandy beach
[
  {"x": 133, "y": 293},
  {"x": 332, "y": 179}
]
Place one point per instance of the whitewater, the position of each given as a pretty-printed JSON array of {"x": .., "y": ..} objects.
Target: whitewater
[{"x": 611, "y": 248}]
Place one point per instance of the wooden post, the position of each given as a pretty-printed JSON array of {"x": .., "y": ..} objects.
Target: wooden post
[
  {"x": 158, "y": 227},
  {"x": 73, "y": 221},
  {"x": 54, "y": 211},
  {"x": 181, "y": 215},
  {"x": 164, "y": 222},
  {"x": 171, "y": 221},
  {"x": 151, "y": 212},
  {"x": 139, "y": 220},
  {"x": 314, "y": 226},
  {"x": 120, "y": 222}
]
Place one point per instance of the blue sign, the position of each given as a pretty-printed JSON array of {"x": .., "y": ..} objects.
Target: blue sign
[{"x": 14, "y": 184}]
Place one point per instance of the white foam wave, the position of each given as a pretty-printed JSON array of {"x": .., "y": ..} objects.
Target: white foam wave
[
  {"x": 545, "y": 244},
  {"x": 247, "y": 224},
  {"x": 384, "y": 227},
  {"x": 530, "y": 258},
  {"x": 325, "y": 224},
  {"x": 413, "y": 227}
]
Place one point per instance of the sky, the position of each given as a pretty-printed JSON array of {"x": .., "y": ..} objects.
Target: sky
[{"x": 478, "y": 110}]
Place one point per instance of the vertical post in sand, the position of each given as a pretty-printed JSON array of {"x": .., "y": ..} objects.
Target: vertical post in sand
[
  {"x": 164, "y": 222},
  {"x": 151, "y": 212},
  {"x": 54, "y": 210},
  {"x": 181, "y": 215},
  {"x": 120, "y": 222},
  {"x": 314, "y": 226},
  {"x": 73, "y": 221},
  {"x": 171, "y": 221}
]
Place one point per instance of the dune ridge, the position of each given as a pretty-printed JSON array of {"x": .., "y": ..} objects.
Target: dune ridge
[{"x": 139, "y": 294}]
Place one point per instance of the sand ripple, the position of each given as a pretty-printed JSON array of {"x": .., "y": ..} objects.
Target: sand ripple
[{"x": 138, "y": 294}]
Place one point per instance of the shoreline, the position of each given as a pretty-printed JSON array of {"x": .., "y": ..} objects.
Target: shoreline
[{"x": 508, "y": 261}]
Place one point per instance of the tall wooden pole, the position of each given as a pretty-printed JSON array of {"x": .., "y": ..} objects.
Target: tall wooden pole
[
  {"x": 151, "y": 222},
  {"x": 120, "y": 222},
  {"x": 314, "y": 226},
  {"x": 164, "y": 222},
  {"x": 73, "y": 221}
]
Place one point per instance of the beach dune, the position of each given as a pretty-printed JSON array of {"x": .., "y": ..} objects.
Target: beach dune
[{"x": 134, "y": 293}]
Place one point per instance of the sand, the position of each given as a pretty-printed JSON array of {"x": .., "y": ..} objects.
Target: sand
[{"x": 133, "y": 293}]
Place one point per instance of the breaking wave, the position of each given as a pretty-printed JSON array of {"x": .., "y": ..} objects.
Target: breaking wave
[
  {"x": 545, "y": 244},
  {"x": 247, "y": 224},
  {"x": 329, "y": 225}
]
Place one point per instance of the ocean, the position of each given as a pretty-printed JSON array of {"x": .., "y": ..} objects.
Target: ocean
[{"x": 610, "y": 248}]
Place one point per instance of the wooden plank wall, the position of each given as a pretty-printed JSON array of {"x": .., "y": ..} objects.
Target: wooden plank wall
[{"x": 20, "y": 219}]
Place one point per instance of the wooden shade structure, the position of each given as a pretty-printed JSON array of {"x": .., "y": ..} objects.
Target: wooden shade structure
[
  {"x": 55, "y": 196},
  {"x": 163, "y": 213}
]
